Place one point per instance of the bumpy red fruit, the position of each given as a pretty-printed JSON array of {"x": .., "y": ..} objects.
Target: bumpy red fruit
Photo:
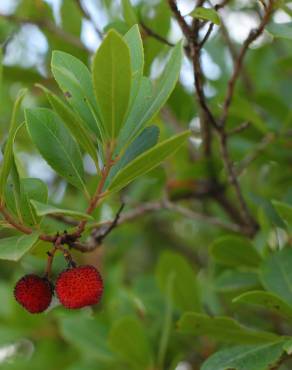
[
  {"x": 79, "y": 287},
  {"x": 34, "y": 293}
]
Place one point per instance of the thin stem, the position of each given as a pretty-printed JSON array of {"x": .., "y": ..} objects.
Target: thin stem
[
  {"x": 243, "y": 209},
  {"x": 155, "y": 35},
  {"x": 253, "y": 35},
  {"x": 99, "y": 194},
  {"x": 20, "y": 227}
]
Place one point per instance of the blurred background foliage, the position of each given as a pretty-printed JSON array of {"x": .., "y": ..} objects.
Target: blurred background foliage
[{"x": 135, "y": 259}]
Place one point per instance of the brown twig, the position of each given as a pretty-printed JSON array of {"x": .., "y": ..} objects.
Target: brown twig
[
  {"x": 253, "y": 35},
  {"x": 149, "y": 32},
  {"x": 232, "y": 177},
  {"x": 99, "y": 194},
  {"x": 151, "y": 207},
  {"x": 233, "y": 53},
  {"x": 236, "y": 130},
  {"x": 20, "y": 227},
  {"x": 180, "y": 19},
  {"x": 88, "y": 17},
  {"x": 267, "y": 140},
  {"x": 207, "y": 35}
]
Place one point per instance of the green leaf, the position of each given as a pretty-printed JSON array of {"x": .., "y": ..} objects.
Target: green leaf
[
  {"x": 223, "y": 329},
  {"x": 284, "y": 210},
  {"x": 112, "y": 81},
  {"x": 129, "y": 13},
  {"x": 1, "y": 70},
  {"x": 43, "y": 209},
  {"x": 8, "y": 151},
  {"x": 206, "y": 14},
  {"x": 185, "y": 288},
  {"x": 128, "y": 339},
  {"x": 266, "y": 300},
  {"x": 149, "y": 101},
  {"x": 235, "y": 251},
  {"x": 86, "y": 334},
  {"x": 14, "y": 247},
  {"x": 56, "y": 145},
  {"x": 276, "y": 274},
  {"x": 260, "y": 357},
  {"x": 146, "y": 140},
  {"x": 14, "y": 188},
  {"x": 35, "y": 189},
  {"x": 231, "y": 280},
  {"x": 135, "y": 44},
  {"x": 280, "y": 31},
  {"x": 148, "y": 160},
  {"x": 73, "y": 123},
  {"x": 74, "y": 79}
]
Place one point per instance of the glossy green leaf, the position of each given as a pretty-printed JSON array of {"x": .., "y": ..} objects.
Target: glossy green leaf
[
  {"x": 43, "y": 209},
  {"x": 284, "y": 210},
  {"x": 129, "y": 13},
  {"x": 135, "y": 44},
  {"x": 74, "y": 124},
  {"x": 134, "y": 123},
  {"x": 74, "y": 79},
  {"x": 223, "y": 329},
  {"x": 276, "y": 274},
  {"x": 260, "y": 357},
  {"x": 231, "y": 280},
  {"x": 207, "y": 14},
  {"x": 14, "y": 247},
  {"x": 128, "y": 339},
  {"x": 35, "y": 189},
  {"x": 266, "y": 300},
  {"x": 150, "y": 100},
  {"x": 235, "y": 251},
  {"x": 56, "y": 145},
  {"x": 8, "y": 151},
  {"x": 185, "y": 288},
  {"x": 146, "y": 140},
  {"x": 112, "y": 81},
  {"x": 148, "y": 160}
]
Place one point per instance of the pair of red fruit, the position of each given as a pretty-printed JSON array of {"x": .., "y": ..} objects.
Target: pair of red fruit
[{"x": 75, "y": 287}]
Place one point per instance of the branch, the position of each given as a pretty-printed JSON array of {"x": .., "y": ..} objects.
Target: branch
[
  {"x": 267, "y": 140},
  {"x": 232, "y": 177},
  {"x": 253, "y": 35},
  {"x": 151, "y": 207},
  {"x": 236, "y": 130},
  {"x": 180, "y": 19},
  {"x": 155, "y": 35},
  {"x": 88, "y": 17},
  {"x": 11, "y": 221},
  {"x": 233, "y": 52}
]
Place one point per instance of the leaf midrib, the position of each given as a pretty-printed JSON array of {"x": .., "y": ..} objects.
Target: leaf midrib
[{"x": 66, "y": 154}]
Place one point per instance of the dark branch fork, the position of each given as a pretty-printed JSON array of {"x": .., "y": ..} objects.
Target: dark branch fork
[{"x": 208, "y": 119}]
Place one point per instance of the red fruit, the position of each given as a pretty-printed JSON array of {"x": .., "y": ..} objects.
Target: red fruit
[
  {"x": 79, "y": 287},
  {"x": 33, "y": 293}
]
